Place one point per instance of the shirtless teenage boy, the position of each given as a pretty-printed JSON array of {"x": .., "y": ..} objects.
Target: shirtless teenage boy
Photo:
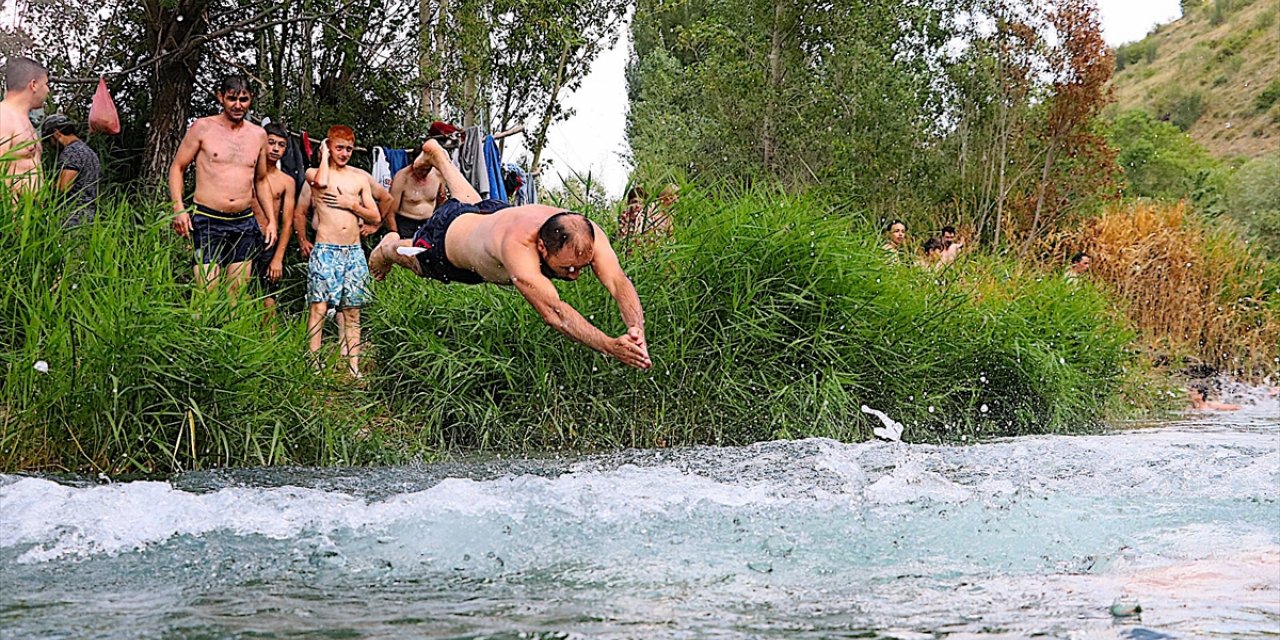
[
  {"x": 473, "y": 241},
  {"x": 26, "y": 85},
  {"x": 338, "y": 274},
  {"x": 268, "y": 266},
  {"x": 230, "y": 155},
  {"x": 413, "y": 196},
  {"x": 302, "y": 212}
]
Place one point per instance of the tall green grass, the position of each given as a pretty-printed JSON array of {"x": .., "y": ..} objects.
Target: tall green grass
[
  {"x": 768, "y": 316},
  {"x": 145, "y": 372}
]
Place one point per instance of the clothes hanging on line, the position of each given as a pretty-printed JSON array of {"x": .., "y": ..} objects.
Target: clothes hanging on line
[
  {"x": 397, "y": 159},
  {"x": 382, "y": 173},
  {"x": 493, "y": 170},
  {"x": 470, "y": 160},
  {"x": 520, "y": 185},
  {"x": 294, "y": 162}
]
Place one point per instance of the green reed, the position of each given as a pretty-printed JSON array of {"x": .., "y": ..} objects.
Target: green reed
[{"x": 768, "y": 316}]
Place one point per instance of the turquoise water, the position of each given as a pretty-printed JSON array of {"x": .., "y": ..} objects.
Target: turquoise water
[{"x": 805, "y": 539}]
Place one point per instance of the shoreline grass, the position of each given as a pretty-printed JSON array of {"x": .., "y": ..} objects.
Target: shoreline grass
[{"x": 767, "y": 318}]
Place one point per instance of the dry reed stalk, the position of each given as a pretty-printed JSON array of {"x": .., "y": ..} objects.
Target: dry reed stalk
[{"x": 1187, "y": 288}]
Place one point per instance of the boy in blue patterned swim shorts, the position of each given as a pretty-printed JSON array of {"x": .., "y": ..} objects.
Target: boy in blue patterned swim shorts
[{"x": 339, "y": 274}]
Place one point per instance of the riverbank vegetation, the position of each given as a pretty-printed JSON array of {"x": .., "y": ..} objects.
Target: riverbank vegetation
[
  {"x": 773, "y": 312},
  {"x": 768, "y": 316}
]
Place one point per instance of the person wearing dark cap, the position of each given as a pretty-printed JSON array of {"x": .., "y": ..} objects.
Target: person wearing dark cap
[{"x": 77, "y": 171}]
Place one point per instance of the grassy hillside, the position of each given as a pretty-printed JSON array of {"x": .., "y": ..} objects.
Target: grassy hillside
[{"x": 1215, "y": 73}]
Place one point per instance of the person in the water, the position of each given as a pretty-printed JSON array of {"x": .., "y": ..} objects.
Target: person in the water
[
  {"x": 1199, "y": 395},
  {"x": 474, "y": 241}
]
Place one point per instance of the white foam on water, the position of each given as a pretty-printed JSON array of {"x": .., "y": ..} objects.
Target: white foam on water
[{"x": 65, "y": 521}]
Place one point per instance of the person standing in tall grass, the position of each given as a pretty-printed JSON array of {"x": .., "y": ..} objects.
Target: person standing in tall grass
[
  {"x": 78, "y": 169},
  {"x": 26, "y": 85},
  {"x": 338, "y": 272},
  {"x": 268, "y": 267},
  {"x": 473, "y": 241},
  {"x": 1079, "y": 266},
  {"x": 230, "y": 154},
  {"x": 896, "y": 236}
]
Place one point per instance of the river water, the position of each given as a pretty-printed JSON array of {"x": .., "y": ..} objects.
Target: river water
[{"x": 806, "y": 539}]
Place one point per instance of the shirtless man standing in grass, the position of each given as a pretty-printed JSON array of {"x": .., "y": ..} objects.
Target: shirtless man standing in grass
[
  {"x": 26, "y": 85},
  {"x": 230, "y": 155},
  {"x": 473, "y": 241},
  {"x": 413, "y": 198},
  {"x": 338, "y": 274},
  {"x": 269, "y": 265}
]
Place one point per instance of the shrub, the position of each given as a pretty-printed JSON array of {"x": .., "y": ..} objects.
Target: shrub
[
  {"x": 1269, "y": 95},
  {"x": 1181, "y": 106},
  {"x": 142, "y": 375},
  {"x": 1188, "y": 287},
  {"x": 1160, "y": 161}
]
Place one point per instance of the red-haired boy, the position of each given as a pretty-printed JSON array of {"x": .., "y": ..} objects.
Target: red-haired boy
[{"x": 338, "y": 273}]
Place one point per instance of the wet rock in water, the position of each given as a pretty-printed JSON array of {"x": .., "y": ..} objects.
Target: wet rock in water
[
  {"x": 1125, "y": 607},
  {"x": 327, "y": 558}
]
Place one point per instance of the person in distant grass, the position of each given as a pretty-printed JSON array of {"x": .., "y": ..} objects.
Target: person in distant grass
[
  {"x": 474, "y": 241},
  {"x": 1079, "y": 266}
]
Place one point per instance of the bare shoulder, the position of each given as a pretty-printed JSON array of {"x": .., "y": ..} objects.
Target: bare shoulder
[{"x": 201, "y": 126}]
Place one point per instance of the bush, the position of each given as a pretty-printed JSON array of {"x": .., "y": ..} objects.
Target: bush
[
  {"x": 1267, "y": 97},
  {"x": 1180, "y": 106},
  {"x": 1159, "y": 161},
  {"x": 1254, "y": 201},
  {"x": 766, "y": 318},
  {"x": 1190, "y": 288}
]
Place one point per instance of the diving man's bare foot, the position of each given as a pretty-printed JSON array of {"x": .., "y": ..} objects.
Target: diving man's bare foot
[{"x": 380, "y": 260}]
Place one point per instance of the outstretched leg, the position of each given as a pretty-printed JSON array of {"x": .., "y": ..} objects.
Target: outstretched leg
[{"x": 434, "y": 155}]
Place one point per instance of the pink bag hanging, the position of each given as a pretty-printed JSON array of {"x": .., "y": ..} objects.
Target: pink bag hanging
[{"x": 102, "y": 114}]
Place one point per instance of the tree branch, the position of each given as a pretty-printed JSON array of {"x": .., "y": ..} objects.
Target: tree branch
[{"x": 189, "y": 45}]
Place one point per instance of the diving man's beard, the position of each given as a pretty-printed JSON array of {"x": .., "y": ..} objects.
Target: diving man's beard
[{"x": 551, "y": 275}]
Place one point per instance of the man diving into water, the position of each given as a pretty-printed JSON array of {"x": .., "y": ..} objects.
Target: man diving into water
[{"x": 472, "y": 241}]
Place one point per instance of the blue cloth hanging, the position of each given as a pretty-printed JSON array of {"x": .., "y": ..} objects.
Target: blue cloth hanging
[
  {"x": 493, "y": 164},
  {"x": 397, "y": 159}
]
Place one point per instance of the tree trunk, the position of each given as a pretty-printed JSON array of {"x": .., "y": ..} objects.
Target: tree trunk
[
  {"x": 426, "y": 61},
  {"x": 437, "y": 97},
  {"x": 307, "y": 72},
  {"x": 1003, "y": 163},
  {"x": 1044, "y": 181},
  {"x": 541, "y": 140},
  {"x": 768, "y": 140},
  {"x": 173, "y": 80},
  {"x": 469, "y": 99}
]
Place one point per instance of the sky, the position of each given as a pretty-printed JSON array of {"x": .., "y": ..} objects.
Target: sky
[{"x": 593, "y": 141}]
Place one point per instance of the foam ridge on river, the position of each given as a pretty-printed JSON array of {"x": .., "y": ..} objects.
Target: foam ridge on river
[{"x": 810, "y": 538}]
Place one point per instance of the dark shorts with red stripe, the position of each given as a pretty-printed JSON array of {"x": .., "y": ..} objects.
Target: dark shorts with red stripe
[{"x": 435, "y": 264}]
